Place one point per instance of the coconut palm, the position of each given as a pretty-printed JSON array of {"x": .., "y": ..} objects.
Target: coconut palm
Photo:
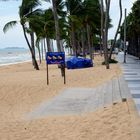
[
  {"x": 80, "y": 18},
  {"x": 117, "y": 31},
  {"x": 104, "y": 28},
  {"x": 73, "y": 8},
  {"x": 92, "y": 21},
  {"x": 26, "y": 9},
  {"x": 133, "y": 30}
]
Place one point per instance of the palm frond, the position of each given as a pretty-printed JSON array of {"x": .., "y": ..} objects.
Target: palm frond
[
  {"x": 9, "y": 25},
  {"x": 35, "y": 12}
]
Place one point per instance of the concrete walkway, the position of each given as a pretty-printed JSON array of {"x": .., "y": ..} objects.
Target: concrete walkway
[
  {"x": 83, "y": 100},
  {"x": 131, "y": 71}
]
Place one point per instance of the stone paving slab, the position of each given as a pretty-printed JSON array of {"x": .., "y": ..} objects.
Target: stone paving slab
[
  {"x": 71, "y": 101},
  {"x": 135, "y": 91},
  {"x": 131, "y": 71},
  {"x": 82, "y": 100}
]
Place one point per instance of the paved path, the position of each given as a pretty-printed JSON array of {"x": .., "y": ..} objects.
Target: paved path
[
  {"x": 131, "y": 72},
  {"x": 83, "y": 100}
]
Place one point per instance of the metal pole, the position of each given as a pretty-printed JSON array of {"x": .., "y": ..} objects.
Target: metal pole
[{"x": 125, "y": 36}]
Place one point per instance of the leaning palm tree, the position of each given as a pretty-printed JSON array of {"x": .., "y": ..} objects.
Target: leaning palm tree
[
  {"x": 25, "y": 11},
  {"x": 106, "y": 27},
  {"x": 117, "y": 31}
]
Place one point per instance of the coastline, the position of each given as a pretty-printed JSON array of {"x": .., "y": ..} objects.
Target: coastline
[
  {"x": 14, "y": 55},
  {"x": 14, "y": 63}
]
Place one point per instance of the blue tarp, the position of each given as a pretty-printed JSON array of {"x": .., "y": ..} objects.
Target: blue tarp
[{"x": 78, "y": 62}]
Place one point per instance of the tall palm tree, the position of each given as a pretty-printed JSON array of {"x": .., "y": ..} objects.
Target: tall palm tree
[
  {"x": 104, "y": 28},
  {"x": 117, "y": 31},
  {"x": 25, "y": 11},
  {"x": 92, "y": 21},
  {"x": 57, "y": 29},
  {"x": 73, "y": 8}
]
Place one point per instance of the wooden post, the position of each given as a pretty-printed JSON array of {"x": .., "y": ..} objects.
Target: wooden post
[
  {"x": 60, "y": 61},
  {"x": 47, "y": 74},
  {"x": 64, "y": 75}
]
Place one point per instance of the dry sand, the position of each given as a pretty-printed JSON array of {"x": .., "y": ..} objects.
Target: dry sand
[{"x": 22, "y": 89}]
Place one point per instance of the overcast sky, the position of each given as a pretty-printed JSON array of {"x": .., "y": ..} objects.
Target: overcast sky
[
  {"x": 14, "y": 37},
  {"x": 114, "y": 13}
]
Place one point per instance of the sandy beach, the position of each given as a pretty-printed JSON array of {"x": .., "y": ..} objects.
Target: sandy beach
[{"x": 22, "y": 89}]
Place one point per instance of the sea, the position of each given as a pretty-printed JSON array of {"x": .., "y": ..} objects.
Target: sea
[{"x": 14, "y": 55}]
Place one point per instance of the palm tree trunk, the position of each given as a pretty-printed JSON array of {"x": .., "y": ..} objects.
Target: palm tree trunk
[
  {"x": 31, "y": 50},
  {"x": 102, "y": 22},
  {"x": 89, "y": 41},
  {"x": 83, "y": 44},
  {"x": 48, "y": 44},
  {"x": 32, "y": 44},
  {"x": 45, "y": 50},
  {"x": 101, "y": 45},
  {"x": 42, "y": 49},
  {"x": 92, "y": 45},
  {"x": 56, "y": 25},
  {"x": 114, "y": 42},
  {"x": 39, "y": 53},
  {"x": 105, "y": 38},
  {"x": 73, "y": 39}
]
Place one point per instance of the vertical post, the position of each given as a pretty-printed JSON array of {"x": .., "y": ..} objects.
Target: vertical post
[
  {"x": 64, "y": 70},
  {"x": 64, "y": 75},
  {"x": 125, "y": 36},
  {"x": 47, "y": 74}
]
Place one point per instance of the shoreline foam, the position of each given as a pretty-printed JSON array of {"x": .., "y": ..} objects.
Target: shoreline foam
[{"x": 14, "y": 63}]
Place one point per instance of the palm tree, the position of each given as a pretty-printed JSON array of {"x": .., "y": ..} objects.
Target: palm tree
[
  {"x": 73, "y": 8},
  {"x": 92, "y": 21},
  {"x": 104, "y": 28},
  {"x": 57, "y": 29},
  {"x": 25, "y": 11},
  {"x": 117, "y": 31}
]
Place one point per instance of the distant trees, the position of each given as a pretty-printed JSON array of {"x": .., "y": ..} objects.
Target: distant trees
[
  {"x": 133, "y": 30},
  {"x": 75, "y": 24}
]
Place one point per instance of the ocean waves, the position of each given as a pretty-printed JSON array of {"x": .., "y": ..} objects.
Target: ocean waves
[{"x": 13, "y": 56}]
